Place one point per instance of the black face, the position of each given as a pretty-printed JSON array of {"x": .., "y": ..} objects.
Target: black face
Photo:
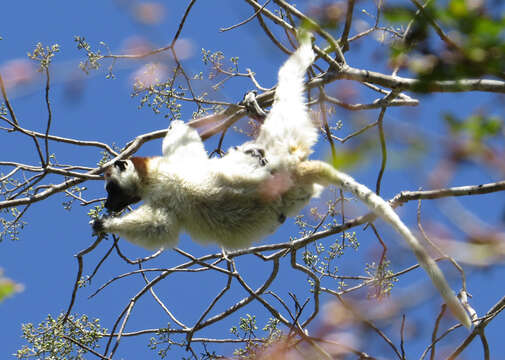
[{"x": 117, "y": 198}]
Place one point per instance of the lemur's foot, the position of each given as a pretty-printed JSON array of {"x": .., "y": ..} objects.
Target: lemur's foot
[
  {"x": 259, "y": 154},
  {"x": 254, "y": 110}
]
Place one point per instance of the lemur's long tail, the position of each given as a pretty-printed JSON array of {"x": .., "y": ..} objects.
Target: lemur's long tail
[
  {"x": 323, "y": 173},
  {"x": 288, "y": 129}
]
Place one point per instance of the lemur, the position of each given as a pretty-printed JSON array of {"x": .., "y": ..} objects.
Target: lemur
[{"x": 245, "y": 195}]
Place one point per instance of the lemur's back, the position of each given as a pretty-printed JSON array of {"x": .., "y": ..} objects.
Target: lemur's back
[{"x": 285, "y": 139}]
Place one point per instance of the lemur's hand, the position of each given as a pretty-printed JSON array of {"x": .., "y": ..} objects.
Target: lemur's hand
[{"x": 97, "y": 226}]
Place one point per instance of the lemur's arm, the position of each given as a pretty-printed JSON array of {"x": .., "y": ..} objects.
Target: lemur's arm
[
  {"x": 148, "y": 227},
  {"x": 322, "y": 173},
  {"x": 183, "y": 141}
]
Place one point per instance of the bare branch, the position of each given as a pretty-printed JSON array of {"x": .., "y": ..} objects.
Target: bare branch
[
  {"x": 78, "y": 279},
  {"x": 7, "y": 102},
  {"x": 181, "y": 24},
  {"x": 477, "y": 330},
  {"x": 246, "y": 20}
]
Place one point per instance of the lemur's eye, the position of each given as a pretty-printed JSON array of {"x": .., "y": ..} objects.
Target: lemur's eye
[{"x": 120, "y": 164}]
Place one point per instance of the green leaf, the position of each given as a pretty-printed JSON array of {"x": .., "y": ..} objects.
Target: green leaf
[
  {"x": 477, "y": 126},
  {"x": 347, "y": 158},
  {"x": 398, "y": 14},
  {"x": 458, "y": 8},
  {"x": 7, "y": 288}
]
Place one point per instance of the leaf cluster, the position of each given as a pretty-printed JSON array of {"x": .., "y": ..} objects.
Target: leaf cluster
[{"x": 50, "y": 339}]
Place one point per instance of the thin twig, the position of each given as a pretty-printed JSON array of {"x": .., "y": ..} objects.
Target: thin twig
[
  {"x": 223, "y": 291},
  {"x": 384, "y": 157},
  {"x": 79, "y": 257},
  {"x": 88, "y": 349},
  {"x": 315, "y": 290},
  {"x": 272, "y": 36},
  {"x": 443, "y": 36},
  {"x": 49, "y": 115},
  {"x": 246, "y": 20},
  {"x": 334, "y": 44},
  {"x": 181, "y": 24},
  {"x": 435, "y": 330},
  {"x": 402, "y": 339},
  {"x": 347, "y": 26},
  {"x": 439, "y": 250},
  {"x": 158, "y": 300},
  {"x": 367, "y": 322},
  {"x": 97, "y": 267},
  {"x": 490, "y": 315},
  {"x": 7, "y": 102}
]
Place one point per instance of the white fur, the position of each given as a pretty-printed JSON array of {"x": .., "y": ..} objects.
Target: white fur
[
  {"x": 183, "y": 142},
  {"x": 233, "y": 200},
  {"x": 236, "y": 200}
]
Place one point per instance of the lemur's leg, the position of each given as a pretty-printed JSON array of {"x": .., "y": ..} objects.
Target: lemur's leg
[
  {"x": 324, "y": 174},
  {"x": 148, "y": 227},
  {"x": 255, "y": 111}
]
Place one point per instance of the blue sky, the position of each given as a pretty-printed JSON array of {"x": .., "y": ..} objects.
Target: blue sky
[{"x": 95, "y": 108}]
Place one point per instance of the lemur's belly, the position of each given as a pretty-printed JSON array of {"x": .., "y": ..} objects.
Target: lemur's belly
[{"x": 237, "y": 221}]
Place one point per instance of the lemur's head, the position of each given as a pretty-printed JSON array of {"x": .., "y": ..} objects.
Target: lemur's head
[{"x": 123, "y": 182}]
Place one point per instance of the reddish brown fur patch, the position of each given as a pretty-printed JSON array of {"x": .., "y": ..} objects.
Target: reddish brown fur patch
[{"x": 140, "y": 164}]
